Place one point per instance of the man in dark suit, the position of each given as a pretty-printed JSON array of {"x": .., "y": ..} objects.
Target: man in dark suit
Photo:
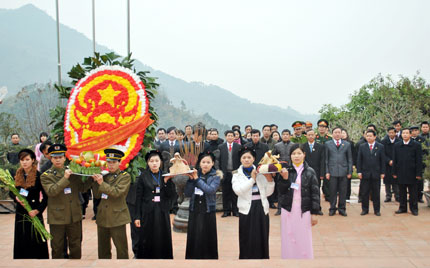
[
  {"x": 407, "y": 169},
  {"x": 415, "y": 135},
  {"x": 338, "y": 162},
  {"x": 171, "y": 145},
  {"x": 391, "y": 186},
  {"x": 161, "y": 137},
  {"x": 371, "y": 169},
  {"x": 229, "y": 161},
  {"x": 398, "y": 127},
  {"x": 315, "y": 157},
  {"x": 259, "y": 147}
]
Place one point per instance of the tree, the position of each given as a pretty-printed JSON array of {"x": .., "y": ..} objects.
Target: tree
[
  {"x": 8, "y": 125},
  {"x": 380, "y": 102}
]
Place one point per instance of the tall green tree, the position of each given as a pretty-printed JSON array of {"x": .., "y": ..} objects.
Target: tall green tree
[{"x": 380, "y": 102}]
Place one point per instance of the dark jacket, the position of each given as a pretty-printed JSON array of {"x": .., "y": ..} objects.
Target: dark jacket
[
  {"x": 165, "y": 146},
  {"x": 371, "y": 163},
  {"x": 407, "y": 162},
  {"x": 213, "y": 145},
  {"x": 316, "y": 158},
  {"x": 389, "y": 155},
  {"x": 209, "y": 188},
  {"x": 223, "y": 159},
  {"x": 310, "y": 190},
  {"x": 145, "y": 193},
  {"x": 260, "y": 149}
]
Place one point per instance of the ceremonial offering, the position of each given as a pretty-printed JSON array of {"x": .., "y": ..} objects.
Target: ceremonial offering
[
  {"x": 87, "y": 164},
  {"x": 180, "y": 166},
  {"x": 269, "y": 164},
  {"x": 106, "y": 108}
]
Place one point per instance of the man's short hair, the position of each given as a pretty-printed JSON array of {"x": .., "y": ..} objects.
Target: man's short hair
[
  {"x": 265, "y": 127},
  {"x": 371, "y": 131},
  {"x": 170, "y": 129},
  {"x": 228, "y": 132},
  {"x": 335, "y": 129},
  {"x": 310, "y": 130},
  {"x": 286, "y": 130},
  {"x": 424, "y": 123},
  {"x": 44, "y": 145},
  {"x": 390, "y": 128},
  {"x": 247, "y": 126},
  {"x": 406, "y": 128},
  {"x": 273, "y": 125},
  {"x": 161, "y": 129},
  {"x": 372, "y": 125},
  {"x": 13, "y": 134},
  {"x": 214, "y": 130},
  {"x": 255, "y": 131}
]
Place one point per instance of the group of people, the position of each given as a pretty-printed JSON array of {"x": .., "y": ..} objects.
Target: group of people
[{"x": 311, "y": 160}]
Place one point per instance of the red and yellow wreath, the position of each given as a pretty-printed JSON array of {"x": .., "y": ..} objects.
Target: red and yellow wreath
[{"x": 107, "y": 108}]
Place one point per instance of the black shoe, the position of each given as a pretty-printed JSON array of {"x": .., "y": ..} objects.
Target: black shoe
[
  {"x": 271, "y": 205},
  {"x": 236, "y": 214},
  {"x": 387, "y": 200},
  {"x": 320, "y": 213},
  {"x": 364, "y": 213},
  {"x": 378, "y": 213},
  {"x": 415, "y": 213},
  {"x": 400, "y": 211},
  {"x": 420, "y": 201},
  {"x": 93, "y": 218},
  {"x": 226, "y": 214},
  {"x": 332, "y": 212},
  {"x": 278, "y": 212},
  {"x": 343, "y": 213}
]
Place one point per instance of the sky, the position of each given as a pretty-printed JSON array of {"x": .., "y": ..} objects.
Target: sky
[{"x": 301, "y": 54}]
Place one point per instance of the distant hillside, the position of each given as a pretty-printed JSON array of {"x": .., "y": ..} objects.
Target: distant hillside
[
  {"x": 29, "y": 55},
  {"x": 32, "y": 104}
]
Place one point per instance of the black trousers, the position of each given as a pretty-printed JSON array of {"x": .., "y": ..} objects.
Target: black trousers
[
  {"x": 420, "y": 189},
  {"x": 338, "y": 185},
  {"x": 390, "y": 189},
  {"x": 371, "y": 185},
  {"x": 326, "y": 188},
  {"x": 229, "y": 198},
  {"x": 413, "y": 197}
]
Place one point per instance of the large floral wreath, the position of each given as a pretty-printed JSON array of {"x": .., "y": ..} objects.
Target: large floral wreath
[{"x": 102, "y": 110}]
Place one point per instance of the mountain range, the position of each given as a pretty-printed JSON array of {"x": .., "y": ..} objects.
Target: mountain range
[{"x": 29, "y": 55}]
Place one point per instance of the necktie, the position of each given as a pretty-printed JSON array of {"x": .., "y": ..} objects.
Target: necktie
[
  {"x": 229, "y": 147},
  {"x": 311, "y": 146},
  {"x": 337, "y": 143},
  {"x": 371, "y": 147}
]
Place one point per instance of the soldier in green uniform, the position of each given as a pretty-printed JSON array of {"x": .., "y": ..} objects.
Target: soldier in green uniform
[
  {"x": 322, "y": 137},
  {"x": 64, "y": 207},
  {"x": 112, "y": 213},
  {"x": 298, "y": 136}
]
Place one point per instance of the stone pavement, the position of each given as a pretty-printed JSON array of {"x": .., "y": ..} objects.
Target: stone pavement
[{"x": 354, "y": 241}]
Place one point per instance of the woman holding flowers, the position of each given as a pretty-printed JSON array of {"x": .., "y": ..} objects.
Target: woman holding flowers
[{"x": 28, "y": 244}]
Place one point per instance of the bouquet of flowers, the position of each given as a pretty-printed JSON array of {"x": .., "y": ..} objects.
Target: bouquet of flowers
[{"x": 9, "y": 182}]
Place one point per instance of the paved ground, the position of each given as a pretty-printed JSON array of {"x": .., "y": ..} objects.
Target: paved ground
[{"x": 354, "y": 241}]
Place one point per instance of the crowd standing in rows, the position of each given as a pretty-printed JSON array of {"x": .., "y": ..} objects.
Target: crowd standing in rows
[{"x": 312, "y": 160}]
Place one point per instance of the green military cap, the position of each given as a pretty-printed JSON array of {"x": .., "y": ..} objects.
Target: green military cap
[
  {"x": 57, "y": 149},
  {"x": 414, "y": 127},
  {"x": 113, "y": 154},
  {"x": 297, "y": 124},
  {"x": 322, "y": 122}
]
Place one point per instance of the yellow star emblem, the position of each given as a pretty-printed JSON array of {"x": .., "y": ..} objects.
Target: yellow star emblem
[{"x": 108, "y": 95}]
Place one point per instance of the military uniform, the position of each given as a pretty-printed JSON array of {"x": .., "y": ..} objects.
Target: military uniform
[
  {"x": 112, "y": 214},
  {"x": 298, "y": 139},
  {"x": 322, "y": 139},
  {"x": 64, "y": 209}
]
